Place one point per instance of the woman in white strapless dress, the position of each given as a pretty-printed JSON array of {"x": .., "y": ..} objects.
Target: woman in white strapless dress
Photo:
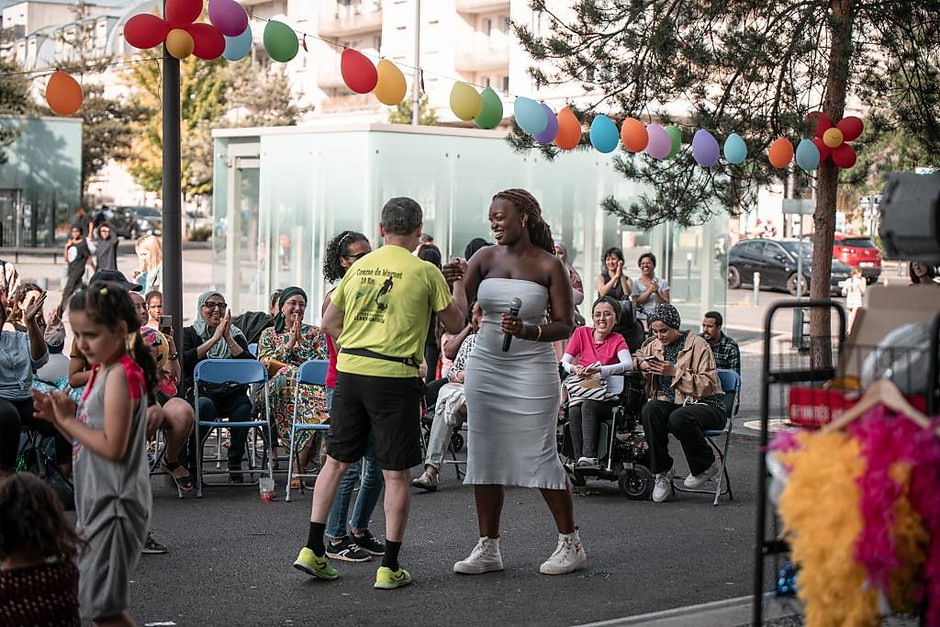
[{"x": 513, "y": 397}]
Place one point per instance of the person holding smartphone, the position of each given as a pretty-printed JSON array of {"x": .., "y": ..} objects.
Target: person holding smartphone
[{"x": 685, "y": 398}]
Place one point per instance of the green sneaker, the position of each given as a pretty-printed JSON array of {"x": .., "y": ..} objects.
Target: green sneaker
[
  {"x": 315, "y": 566},
  {"x": 386, "y": 579}
]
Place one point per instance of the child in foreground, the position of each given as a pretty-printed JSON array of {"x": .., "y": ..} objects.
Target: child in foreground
[{"x": 112, "y": 486}]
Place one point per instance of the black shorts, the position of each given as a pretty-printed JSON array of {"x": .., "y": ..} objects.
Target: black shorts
[{"x": 387, "y": 407}]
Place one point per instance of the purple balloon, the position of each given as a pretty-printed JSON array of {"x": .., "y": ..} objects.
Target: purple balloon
[
  {"x": 660, "y": 144},
  {"x": 551, "y": 127},
  {"x": 228, "y": 16},
  {"x": 705, "y": 148}
]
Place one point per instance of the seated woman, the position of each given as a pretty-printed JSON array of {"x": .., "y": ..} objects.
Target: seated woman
[
  {"x": 685, "y": 399},
  {"x": 282, "y": 349},
  {"x": 593, "y": 352},
  {"x": 213, "y": 336}
]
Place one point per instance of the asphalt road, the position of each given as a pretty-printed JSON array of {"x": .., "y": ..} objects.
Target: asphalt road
[{"x": 230, "y": 559}]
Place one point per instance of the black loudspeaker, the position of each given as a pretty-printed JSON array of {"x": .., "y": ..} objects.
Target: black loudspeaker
[{"x": 910, "y": 217}]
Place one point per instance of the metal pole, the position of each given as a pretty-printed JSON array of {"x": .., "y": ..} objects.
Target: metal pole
[
  {"x": 172, "y": 196},
  {"x": 799, "y": 263},
  {"x": 416, "y": 88}
]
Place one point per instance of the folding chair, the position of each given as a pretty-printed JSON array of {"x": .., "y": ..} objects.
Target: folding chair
[
  {"x": 253, "y": 349},
  {"x": 313, "y": 373},
  {"x": 159, "y": 452},
  {"x": 731, "y": 386},
  {"x": 241, "y": 372}
]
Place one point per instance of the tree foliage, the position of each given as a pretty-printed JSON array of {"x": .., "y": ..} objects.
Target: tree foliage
[
  {"x": 402, "y": 113},
  {"x": 261, "y": 97},
  {"x": 14, "y": 100}
]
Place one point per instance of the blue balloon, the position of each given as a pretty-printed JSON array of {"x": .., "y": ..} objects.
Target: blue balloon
[
  {"x": 807, "y": 155},
  {"x": 530, "y": 116},
  {"x": 604, "y": 134},
  {"x": 735, "y": 149},
  {"x": 551, "y": 127},
  {"x": 705, "y": 148},
  {"x": 238, "y": 47}
]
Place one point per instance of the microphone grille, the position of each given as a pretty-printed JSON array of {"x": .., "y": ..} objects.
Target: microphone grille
[{"x": 515, "y": 303}]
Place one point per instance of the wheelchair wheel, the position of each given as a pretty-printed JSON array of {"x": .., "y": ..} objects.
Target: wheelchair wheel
[
  {"x": 456, "y": 442},
  {"x": 636, "y": 483}
]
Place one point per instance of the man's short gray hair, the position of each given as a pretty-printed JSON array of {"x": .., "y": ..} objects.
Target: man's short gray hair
[{"x": 401, "y": 216}]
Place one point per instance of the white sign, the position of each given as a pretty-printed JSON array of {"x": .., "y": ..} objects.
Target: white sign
[{"x": 800, "y": 206}]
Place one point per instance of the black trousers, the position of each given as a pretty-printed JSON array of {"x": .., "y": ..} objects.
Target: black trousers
[
  {"x": 660, "y": 418},
  {"x": 585, "y": 418},
  {"x": 73, "y": 282},
  {"x": 15, "y": 414}
]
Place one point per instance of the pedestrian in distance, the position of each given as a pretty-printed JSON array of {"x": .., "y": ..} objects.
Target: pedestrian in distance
[
  {"x": 513, "y": 390},
  {"x": 379, "y": 316},
  {"x": 38, "y": 547},
  {"x": 77, "y": 255},
  {"x": 105, "y": 248},
  {"x": 112, "y": 481}
]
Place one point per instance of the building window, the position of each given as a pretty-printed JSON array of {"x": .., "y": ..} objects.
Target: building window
[
  {"x": 504, "y": 83},
  {"x": 377, "y": 42},
  {"x": 487, "y": 26},
  {"x": 486, "y": 81}
]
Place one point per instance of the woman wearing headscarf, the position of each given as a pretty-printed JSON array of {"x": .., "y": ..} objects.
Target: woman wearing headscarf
[
  {"x": 685, "y": 398},
  {"x": 213, "y": 336},
  {"x": 282, "y": 349}
]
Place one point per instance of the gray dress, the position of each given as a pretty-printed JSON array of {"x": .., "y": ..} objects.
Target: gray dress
[
  {"x": 112, "y": 507},
  {"x": 513, "y": 397}
]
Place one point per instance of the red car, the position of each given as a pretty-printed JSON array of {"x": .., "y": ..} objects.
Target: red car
[{"x": 860, "y": 252}]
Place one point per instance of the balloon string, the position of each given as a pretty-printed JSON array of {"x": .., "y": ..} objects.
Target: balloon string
[{"x": 51, "y": 71}]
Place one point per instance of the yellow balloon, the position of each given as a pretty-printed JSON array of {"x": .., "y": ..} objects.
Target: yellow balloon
[
  {"x": 179, "y": 43},
  {"x": 391, "y": 88},
  {"x": 832, "y": 137},
  {"x": 465, "y": 102}
]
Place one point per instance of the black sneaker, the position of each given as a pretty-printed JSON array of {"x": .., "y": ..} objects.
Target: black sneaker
[
  {"x": 367, "y": 542},
  {"x": 346, "y": 551},
  {"x": 152, "y": 547}
]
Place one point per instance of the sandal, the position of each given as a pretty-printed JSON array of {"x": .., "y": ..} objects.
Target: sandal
[
  {"x": 184, "y": 483},
  {"x": 295, "y": 483}
]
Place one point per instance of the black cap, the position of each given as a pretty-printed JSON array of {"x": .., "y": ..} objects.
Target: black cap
[{"x": 115, "y": 276}]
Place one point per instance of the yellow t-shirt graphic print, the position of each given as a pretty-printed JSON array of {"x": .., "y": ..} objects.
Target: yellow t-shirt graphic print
[{"x": 387, "y": 298}]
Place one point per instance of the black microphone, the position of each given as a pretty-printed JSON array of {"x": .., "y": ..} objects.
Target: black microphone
[{"x": 514, "y": 306}]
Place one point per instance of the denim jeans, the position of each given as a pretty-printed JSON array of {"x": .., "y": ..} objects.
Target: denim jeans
[{"x": 439, "y": 439}]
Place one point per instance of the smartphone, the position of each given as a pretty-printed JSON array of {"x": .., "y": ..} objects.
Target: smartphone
[{"x": 165, "y": 323}]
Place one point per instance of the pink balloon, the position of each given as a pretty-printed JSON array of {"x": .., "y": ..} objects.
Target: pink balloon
[
  {"x": 228, "y": 16},
  {"x": 660, "y": 144}
]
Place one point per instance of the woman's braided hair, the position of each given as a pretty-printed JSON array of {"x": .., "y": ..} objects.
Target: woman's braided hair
[
  {"x": 337, "y": 248},
  {"x": 540, "y": 233}
]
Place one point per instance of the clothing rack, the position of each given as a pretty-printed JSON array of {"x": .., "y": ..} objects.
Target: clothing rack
[{"x": 773, "y": 547}]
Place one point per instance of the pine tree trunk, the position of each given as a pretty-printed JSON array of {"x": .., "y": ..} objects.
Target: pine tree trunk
[{"x": 824, "y": 217}]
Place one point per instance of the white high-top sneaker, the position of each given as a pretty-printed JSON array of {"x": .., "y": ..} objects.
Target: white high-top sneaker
[
  {"x": 568, "y": 555},
  {"x": 483, "y": 558}
]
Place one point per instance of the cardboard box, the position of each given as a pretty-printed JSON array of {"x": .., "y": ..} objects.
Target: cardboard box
[{"x": 886, "y": 308}]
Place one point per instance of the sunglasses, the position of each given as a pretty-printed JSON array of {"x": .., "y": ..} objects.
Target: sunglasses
[
  {"x": 214, "y": 305},
  {"x": 357, "y": 257}
]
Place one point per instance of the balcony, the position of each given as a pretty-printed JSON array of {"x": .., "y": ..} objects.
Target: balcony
[
  {"x": 350, "y": 103},
  {"x": 352, "y": 20},
  {"x": 481, "y": 6},
  {"x": 482, "y": 59}
]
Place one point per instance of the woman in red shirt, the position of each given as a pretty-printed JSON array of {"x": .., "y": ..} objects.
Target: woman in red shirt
[{"x": 596, "y": 358}]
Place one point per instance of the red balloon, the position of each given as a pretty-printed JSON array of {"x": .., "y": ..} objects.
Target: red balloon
[
  {"x": 823, "y": 123},
  {"x": 145, "y": 31},
  {"x": 180, "y": 13},
  {"x": 209, "y": 41},
  {"x": 851, "y": 128},
  {"x": 824, "y": 150},
  {"x": 844, "y": 156},
  {"x": 358, "y": 72}
]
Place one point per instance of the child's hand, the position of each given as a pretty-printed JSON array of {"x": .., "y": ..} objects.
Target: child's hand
[
  {"x": 63, "y": 406},
  {"x": 42, "y": 407}
]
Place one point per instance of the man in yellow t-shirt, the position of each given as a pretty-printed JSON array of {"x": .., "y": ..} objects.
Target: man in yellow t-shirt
[{"x": 379, "y": 315}]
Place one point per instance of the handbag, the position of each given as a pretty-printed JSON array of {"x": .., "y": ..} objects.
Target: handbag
[{"x": 582, "y": 388}]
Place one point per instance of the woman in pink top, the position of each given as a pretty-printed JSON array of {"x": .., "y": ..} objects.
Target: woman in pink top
[{"x": 592, "y": 354}]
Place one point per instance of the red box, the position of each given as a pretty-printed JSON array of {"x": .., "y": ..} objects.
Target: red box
[{"x": 814, "y": 407}]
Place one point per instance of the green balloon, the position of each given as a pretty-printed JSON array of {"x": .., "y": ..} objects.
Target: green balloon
[
  {"x": 280, "y": 41},
  {"x": 492, "y": 113},
  {"x": 675, "y": 135}
]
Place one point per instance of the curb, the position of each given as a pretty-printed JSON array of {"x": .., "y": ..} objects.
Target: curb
[{"x": 723, "y": 613}]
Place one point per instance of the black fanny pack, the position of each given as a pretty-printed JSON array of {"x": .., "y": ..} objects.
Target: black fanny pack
[{"x": 365, "y": 352}]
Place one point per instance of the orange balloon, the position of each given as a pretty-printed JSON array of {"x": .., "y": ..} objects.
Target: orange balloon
[
  {"x": 780, "y": 152},
  {"x": 64, "y": 94},
  {"x": 569, "y": 130},
  {"x": 179, "y": 43},
  {"x": 633, "y": 135},
  {"x": 832, "y": 137}
]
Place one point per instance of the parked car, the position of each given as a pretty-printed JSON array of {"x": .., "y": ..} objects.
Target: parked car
[
  {"x": 859, "y": 252},
  {"x": 777, "y": 263},
  {"x": 132, "y": 222}
]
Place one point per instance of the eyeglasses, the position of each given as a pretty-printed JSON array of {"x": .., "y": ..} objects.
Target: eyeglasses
[
  {"x": 214, "y": 305},
  {"x": 357, "y": 257}
]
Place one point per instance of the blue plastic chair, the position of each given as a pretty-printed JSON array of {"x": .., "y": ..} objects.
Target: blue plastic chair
[
  {"x": 313, "y": 373},
  {"x": 241, "y": 372},
  {"x": 253, "y": 349},
  {"x": 731, "y": 386}
]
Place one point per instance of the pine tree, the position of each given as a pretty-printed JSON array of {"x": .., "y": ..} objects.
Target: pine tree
[
  {"x": 14, "y": 100},
  {"x": 402, "y": 113}
]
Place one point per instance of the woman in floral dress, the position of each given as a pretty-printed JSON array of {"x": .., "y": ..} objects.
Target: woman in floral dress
[{"x": 282, "y": 349}]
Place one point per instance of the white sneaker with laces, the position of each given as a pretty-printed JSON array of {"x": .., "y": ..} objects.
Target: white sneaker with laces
[
  {"x": 662, "y": 488},
  {"x": 587, "y": 462},
  {"x": 568, "y": 555},
  {"x": 696, "y": 481},
  {"x": 426, "y": 481},
  {"x": 484, "y": 558}
]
